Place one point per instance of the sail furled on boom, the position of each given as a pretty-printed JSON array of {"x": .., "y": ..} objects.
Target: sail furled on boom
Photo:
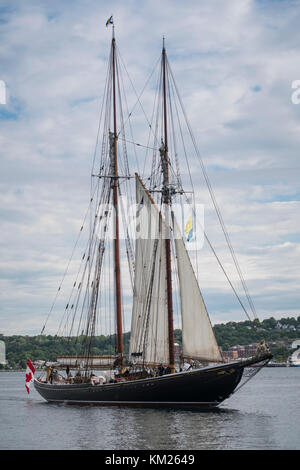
[
  {"x": 149, "y": 324},
  {"x": 198, "y": 339}
]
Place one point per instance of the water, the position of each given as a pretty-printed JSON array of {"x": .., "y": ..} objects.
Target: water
[{"x": 265, "y": 414}]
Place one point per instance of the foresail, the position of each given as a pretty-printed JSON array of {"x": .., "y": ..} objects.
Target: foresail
[
  {"x": 198, "y": 339},
  {"x": 149, "y": 324}
]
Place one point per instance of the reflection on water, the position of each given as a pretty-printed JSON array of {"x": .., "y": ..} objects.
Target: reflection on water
[{"x": 254, "y": 418}]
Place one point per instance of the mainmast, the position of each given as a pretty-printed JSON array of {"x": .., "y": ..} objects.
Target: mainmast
[
  {"x": 167, "y": 204},
  {"x": 116, "y": 209}
]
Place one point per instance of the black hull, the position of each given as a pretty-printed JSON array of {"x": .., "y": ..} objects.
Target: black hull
[{"x": 206, "y": 387}]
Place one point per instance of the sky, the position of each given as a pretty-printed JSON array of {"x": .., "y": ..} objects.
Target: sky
[{"x": 236, "y": 64}]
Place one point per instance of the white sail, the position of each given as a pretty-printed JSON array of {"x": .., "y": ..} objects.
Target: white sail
[
  {"x": 149, "y": 324},
  {"x": 198, "y": 339}
]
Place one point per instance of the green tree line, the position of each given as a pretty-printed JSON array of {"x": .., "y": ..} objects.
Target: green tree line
[{"x": 21, "y": 348}]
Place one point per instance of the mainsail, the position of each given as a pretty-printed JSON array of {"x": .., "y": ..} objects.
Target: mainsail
[
  {"x": 198, "y": 339},
  {"x": 149, "y": 324}
]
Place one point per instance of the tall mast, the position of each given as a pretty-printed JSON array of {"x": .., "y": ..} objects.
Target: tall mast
[
  {"x": 167, "y": 203},
  {"x": 116, "y": 208}
]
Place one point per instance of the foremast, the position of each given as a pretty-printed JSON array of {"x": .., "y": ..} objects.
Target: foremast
[{"x": 167, "y": 201}]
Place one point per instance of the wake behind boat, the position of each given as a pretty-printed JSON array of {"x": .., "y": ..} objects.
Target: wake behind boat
[{"x": 164, "y": 282}]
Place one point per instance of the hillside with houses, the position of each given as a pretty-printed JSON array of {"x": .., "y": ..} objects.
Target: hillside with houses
[{"x": 239, "y": 339}]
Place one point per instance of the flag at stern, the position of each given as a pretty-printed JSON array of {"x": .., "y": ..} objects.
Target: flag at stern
[{"x": 29, "y": 377}]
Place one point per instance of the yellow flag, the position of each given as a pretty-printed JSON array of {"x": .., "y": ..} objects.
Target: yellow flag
[{"x": 189, "y": 225}]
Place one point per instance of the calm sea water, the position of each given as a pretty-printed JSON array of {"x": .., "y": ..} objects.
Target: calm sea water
[{"x": 264, "y": 414}]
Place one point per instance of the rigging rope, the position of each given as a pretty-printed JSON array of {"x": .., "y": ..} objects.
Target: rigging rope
[{"x": 214, "y": 201}]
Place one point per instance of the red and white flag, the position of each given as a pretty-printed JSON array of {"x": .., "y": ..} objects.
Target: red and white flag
[{"x": 29, "y": 375}]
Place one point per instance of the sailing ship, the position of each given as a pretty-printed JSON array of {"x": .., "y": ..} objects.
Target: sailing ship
[{"x": 155, "y": 371}]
